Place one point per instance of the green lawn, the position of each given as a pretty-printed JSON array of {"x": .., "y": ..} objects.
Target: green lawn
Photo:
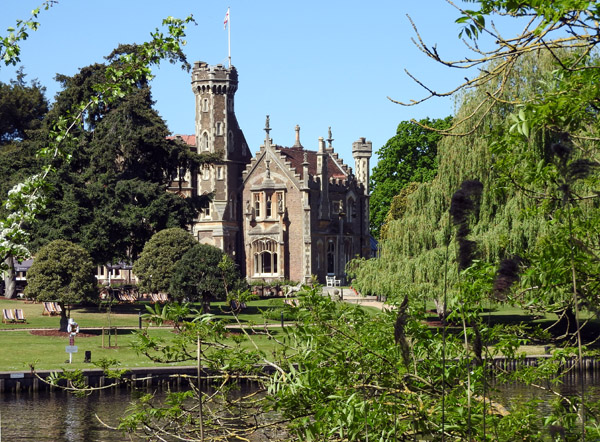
[
  {"x": 21, "y": 348},
  {"x": 91, "y": 316}
]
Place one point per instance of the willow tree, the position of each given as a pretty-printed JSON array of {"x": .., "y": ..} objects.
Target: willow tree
[
  {"x": 527, "y": 129},
  {"x": 536, "y": 91},
  {"x": 417, "y": 251}
]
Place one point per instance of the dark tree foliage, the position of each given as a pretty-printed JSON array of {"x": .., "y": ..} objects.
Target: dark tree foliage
[
  {"x": 22, "y": 108},
  {"x": 200, "y": 275},
  {"x": 78, "y": 89},
  {"x": 111, "y": 197},
  {"x": 409, "y": 156},
  {"x": 17, "y": 161}
]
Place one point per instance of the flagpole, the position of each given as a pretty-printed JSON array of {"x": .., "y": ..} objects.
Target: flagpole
[{"x": 229, "y": 37}]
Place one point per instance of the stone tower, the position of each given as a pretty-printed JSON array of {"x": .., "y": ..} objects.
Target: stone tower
[
  {"x": 218, "y": 132},
  {"x": 361, "y": 152}
]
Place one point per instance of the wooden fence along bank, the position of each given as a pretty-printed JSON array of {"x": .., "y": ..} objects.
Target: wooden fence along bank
[
  {"x": 147, "y": 377},
  {"x": 14, "y": 382}
]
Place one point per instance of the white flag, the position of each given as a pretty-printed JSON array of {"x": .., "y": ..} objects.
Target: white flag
[{"x": 226, "y": 19}]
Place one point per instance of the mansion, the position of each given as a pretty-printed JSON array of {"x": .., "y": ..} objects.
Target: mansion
[{"x": 284, "y": 213}]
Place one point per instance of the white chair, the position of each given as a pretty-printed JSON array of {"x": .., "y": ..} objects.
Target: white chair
[{"x": 332, "y": 281}]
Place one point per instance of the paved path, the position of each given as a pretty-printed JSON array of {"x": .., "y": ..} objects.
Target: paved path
[
  {"x": 347, "y": 294},
  {"x": 350, "y": 296}
]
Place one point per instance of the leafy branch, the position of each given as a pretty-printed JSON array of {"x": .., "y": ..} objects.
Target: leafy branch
[
  {"x": 568, "y": 26},
  {"x": 28, "y": 199},
  {"x": 10, "y": 48}
]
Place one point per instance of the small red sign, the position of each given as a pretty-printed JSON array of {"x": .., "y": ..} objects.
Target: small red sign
[{"x": 71, "y": 340}]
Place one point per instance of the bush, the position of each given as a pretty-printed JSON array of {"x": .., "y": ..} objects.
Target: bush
[{"x": 289, "y": 313}]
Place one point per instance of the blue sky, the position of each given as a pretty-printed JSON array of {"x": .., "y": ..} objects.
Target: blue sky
[{"x": 312, "y": 63}]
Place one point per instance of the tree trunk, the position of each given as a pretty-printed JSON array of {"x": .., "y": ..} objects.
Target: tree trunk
[
  {"x": 440, "y": 308},
  {"x": 205, "y": 304},
  {"x": 64, "y": 320},
  {"x": 10, "y": 284}
]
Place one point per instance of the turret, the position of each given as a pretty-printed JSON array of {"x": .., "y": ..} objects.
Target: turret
[
  {"x": 217, "y": 131},
  {"x": 361, "y": 152},
  {"x": 214, "y": 88}
]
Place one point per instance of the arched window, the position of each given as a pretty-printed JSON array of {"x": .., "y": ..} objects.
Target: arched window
[
  {"x": 268, "y": 207},
  {"x": 233, "y": 201},
  {"x": 331, "y": 257},
  {"x": 205, "y": 141},
  {"x": 230, "y": 145},
  {"x": 265, "y": 257},
  {"x": 257, "y": 198},
  {"x": 351, "y": 209},
  {"x": 319, "y": 254}
]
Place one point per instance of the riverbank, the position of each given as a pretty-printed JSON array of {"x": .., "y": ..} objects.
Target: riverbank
[
  {"x": 177, "y": 376},
  {"x": 45, "y": 348},
  {"x": 146, "y": 377}
]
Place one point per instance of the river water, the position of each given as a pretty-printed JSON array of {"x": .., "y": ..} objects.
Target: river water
[{"x": 61, "y": 417}]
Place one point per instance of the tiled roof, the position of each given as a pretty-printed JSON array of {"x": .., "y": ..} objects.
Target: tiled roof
[
  {"x": 190, "y": 140},
  {"x": 295, "y": 155}
]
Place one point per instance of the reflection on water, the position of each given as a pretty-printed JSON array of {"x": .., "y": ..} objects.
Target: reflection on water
[
  {"x": 59, "y": 416},
  {"x": 511, "y": 395}
]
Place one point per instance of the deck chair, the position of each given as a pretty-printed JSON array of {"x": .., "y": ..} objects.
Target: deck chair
[
  {"x": 48, "y": 311},
  {"x": 7, "y": 316},
  {"x": 51, "y": 308},
  {"x": 19, "y": 315},
  {"x": 158, "y": 298}
]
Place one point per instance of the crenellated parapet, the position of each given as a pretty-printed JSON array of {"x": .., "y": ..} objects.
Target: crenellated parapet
[
  {"x": 215, "y": 79},
  {"x": 362, "y": 151}
]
